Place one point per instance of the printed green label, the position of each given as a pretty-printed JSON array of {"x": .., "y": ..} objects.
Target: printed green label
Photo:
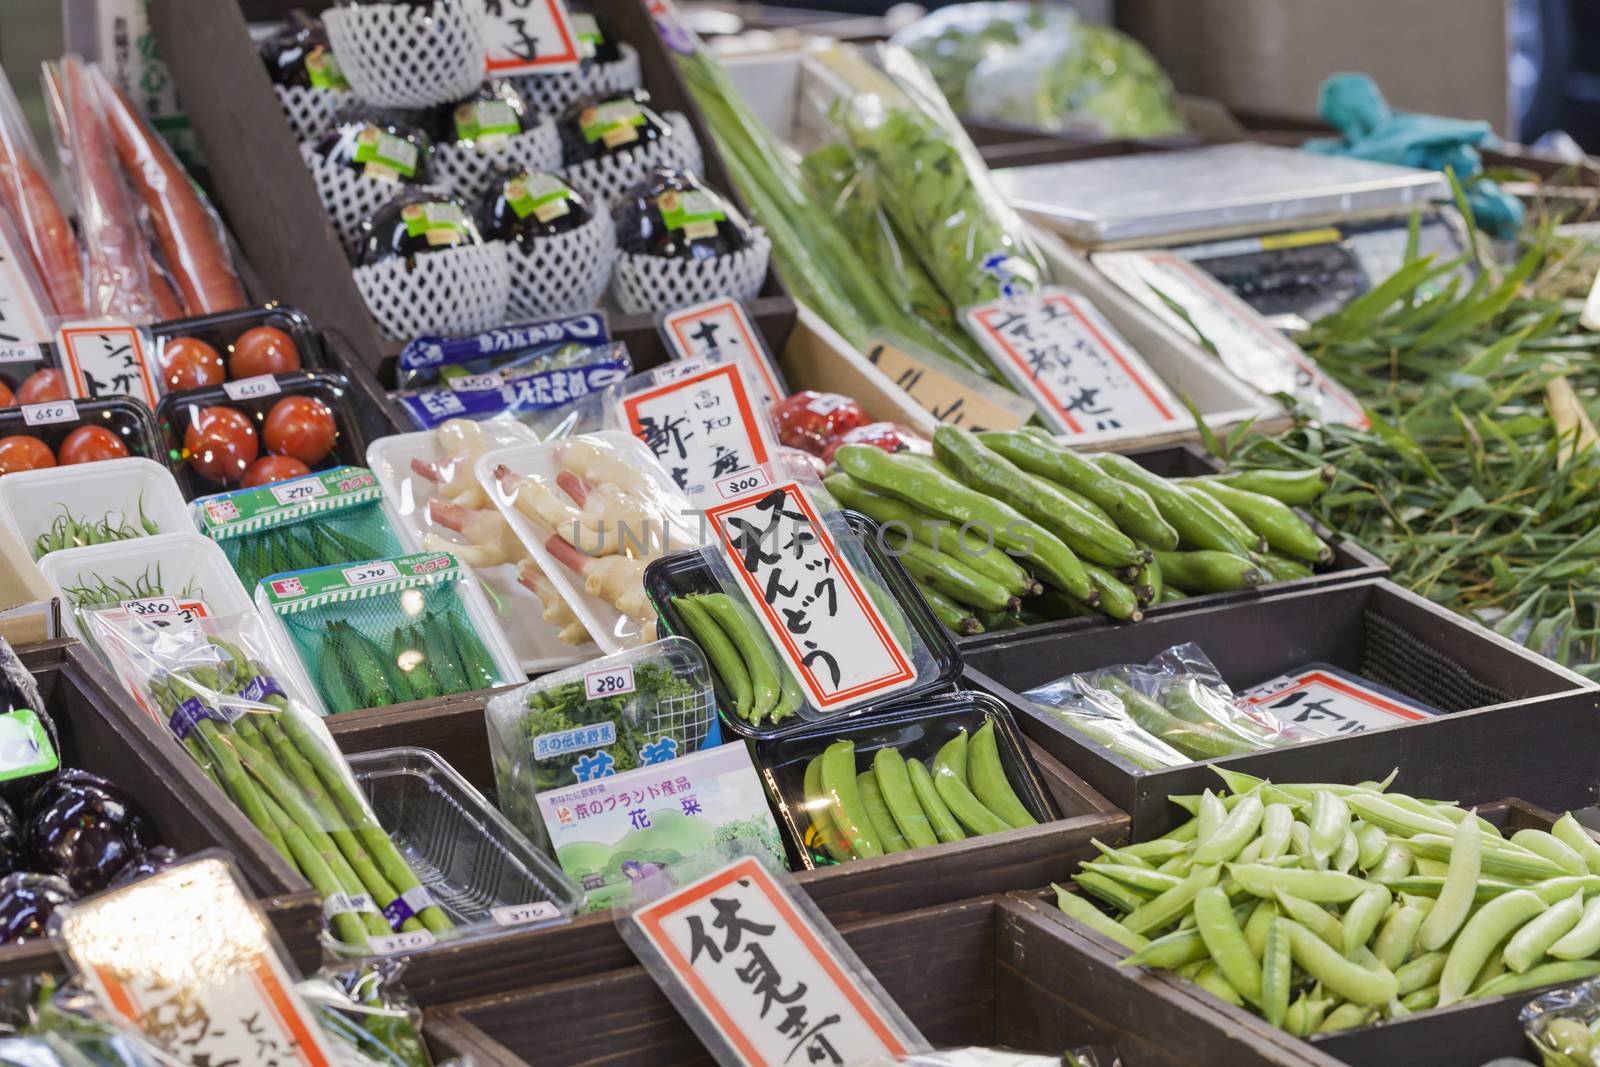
[
  {"x": 616, "y": 122},
  {"x": 376, "y": 148},
  {"x": 589, "y": 36},
  {"x": 441, "y": 224},
  {"x": 290, "y": 593},
  {"x": 324, "y": 69},
  {"x": 24, "y": 746},
  {"x": 486, "y": 118},
  {"x": 695, "y": 213},
  {"x": 542, "y": 195},
  {"x": 245, "y": 511}
]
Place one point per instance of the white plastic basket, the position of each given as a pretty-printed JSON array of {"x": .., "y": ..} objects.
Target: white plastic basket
[
  {"x": 310, "y": 110},
  {"x": 349, "y": 198},
  {"x": 654, "y": 283},
  {"x": 606, "y": 178},
  {"x": 121, "y": 490},
  {"x": 466, "y": 169},
  {"x": 564, "y": 273},
  {"x": 454, "y": 290},
  {"x": 549, "y": 94},
  {"x": 397, "y": 55}
]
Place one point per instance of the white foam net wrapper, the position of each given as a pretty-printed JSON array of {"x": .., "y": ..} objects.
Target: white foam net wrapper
[
  {"x": 396, "y": 55},
  {"x": 348, "y": 197},
  {"x": 465, "y": 170},
  {"x": 564, "y": 273},
  {"x": 607, "y": 178},
  {"x": 310, "y": 111},
  {"x": 549, "y": 94},
  {"x": 455, "y": 290},
  {"x": 651, "y": 283}
]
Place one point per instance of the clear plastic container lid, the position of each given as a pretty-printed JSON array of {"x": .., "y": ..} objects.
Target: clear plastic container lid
[{"x": 623, "y": 711}]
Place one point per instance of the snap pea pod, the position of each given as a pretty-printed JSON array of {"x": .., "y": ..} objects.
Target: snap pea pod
[
  {"x": 1119, "y": 896},
  {"x": 1294, "y": 487},
  {"x": 1319, "y": 887},
  {"x": 754, "y": 649},
  {"x": 1196, "y": 526},
  {"x": 1371, "y": 844},
  {"x": 1330, "y": 817},
  {"x": 894, "y": 783},
  {"x": 1571, "y": 833},
  {"x": 1420, "y": 973},
  {"x": 849, "y": 812},
  {"x": 1210, "y": 978},
  {"x": 878, "y": 814},
  {"x": 1362, "y": 917},
  {"x": 1233, "y": 834},
  {"x": 1559, "y": 972},
  {"x": 1488, "y": 926},
  {"x": 1347, "y": 1017},
  {"x": 1165, "y": 909},
  {"x": 987, "y": 778},
  {"x": 1350, "y": 980},
  {"x": 950, "y": 781},
  {"x": 1456, "y": 896},
  {"x": 818, "y": 805},
  {"x": 1208, "y": 571},
  {"x": 1398, "y": 937},
  {"x": 1552, "y": 849},
  {"x": 725, "y": 659},
  {"x": 1140, "y": 878},
  {"x": 1272, "y": 520},
  {"x": 1225, "y": 941},
  {"x": 1530, "y": 944},
  {"x": 1583, "y": 939},
  {"x": 944, "y": 824},
  {"x": 1313, "y": 917},
  {"x": 1492, "y": 861},
  {"x": 1168, "y": 953},
  {"x": 1255, "y": 927},
  {"x": 1075, "y": 907},
  {"x": 1305, "y": 1014}
]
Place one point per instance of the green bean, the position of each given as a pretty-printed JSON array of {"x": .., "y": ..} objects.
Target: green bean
[
  {"x": 1487, "y": 927},
  {"x": 1583, "y": 940},
  {"x": 1075, "y": 907},
  {"x": 878, "y": 814},
  {"x": 1319, "y": 887},
  {"x": 839, "y": 782},
  {"x": 1353, "y": 982},
  {"x": 1166, "y": 908},
  {"x": 1530, "y": 944},
  {"x": 1226, "y": 943},
  {"x": 1455, "y": 898},
  {"x": 1398, "y": 937},
  {"x": 1552, "y": 849},
  {"x": 1235, "y": 831},
  {"x": 894, "y": 784}
]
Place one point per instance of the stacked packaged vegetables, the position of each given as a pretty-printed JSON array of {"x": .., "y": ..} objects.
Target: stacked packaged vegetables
[
  {"x": 900, "y": 803},
  {"x": 1328, "y": 907},
  {"x": 996, "y": 517}
]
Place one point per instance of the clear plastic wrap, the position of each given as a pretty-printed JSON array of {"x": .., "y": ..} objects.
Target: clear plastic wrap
[
  {"x": 1564, "y": 1025},
  {"x": 367, "y": 1012},
  {"x": 429, "y": 360},
  {"x": 50, "y": 1025},
  {"x": 1165, "y": 713},
  {"x": 55, "y": 256},
  {"x": 216, "y": 684}
]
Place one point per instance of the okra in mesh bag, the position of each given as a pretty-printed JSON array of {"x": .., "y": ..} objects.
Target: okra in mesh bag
[
  {"x": 335, "y": 516},
  {"x": 246, "y": 721},
  {"x": 388, "y": 631}
]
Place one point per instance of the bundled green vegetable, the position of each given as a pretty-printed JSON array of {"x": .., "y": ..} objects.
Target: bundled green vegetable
[
  {"x": 1327, "y": 907},
  {"x": 69, "y": 531}
]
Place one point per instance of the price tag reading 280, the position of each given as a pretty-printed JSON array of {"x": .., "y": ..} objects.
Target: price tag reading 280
[
  {"x": 608, "y": 682},
  {"x": 809, "y": 598}
]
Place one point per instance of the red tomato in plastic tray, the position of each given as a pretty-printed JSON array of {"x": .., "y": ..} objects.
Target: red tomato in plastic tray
[
  {"x": 302, "y": 427},
  {"x": 263, "y": 350},
  {"x": 221, "y": 443},
  {"x": 889, "y": 436},
  {"x": 811, "y": 421},
  {"x": 91, "y": 444},
  {"x": 23, "y": 452},
  {"x": 190, "y": 363},
  {"x": 42, "y": 387},
  {"x": 269, "y": 469}
]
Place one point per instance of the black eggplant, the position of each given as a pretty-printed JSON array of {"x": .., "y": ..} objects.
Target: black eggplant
[
  {"x": 496, "y": 110},
  {"x": 298, "y": 55},
  {"x": 84, "y": 829},
  {"x": 598, "y": 126},
  {"x": 26, "y": 903},
  {"x": 10, "y": 839},
  {"x": 673, "y": 214},
  {"x": 415, "y": 223},
  {"x": 382, "y": 143},
  {"x": 151, "y": 861},
  {"x": 595, "y": 45},
  {"x": 523, "y": 206}
]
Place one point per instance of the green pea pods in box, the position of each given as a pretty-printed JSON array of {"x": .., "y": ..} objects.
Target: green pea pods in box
[
  {"x": 608, "y": 716},
  {"x": 333, "y": 516},
  {"x": 387, "y": 631}
]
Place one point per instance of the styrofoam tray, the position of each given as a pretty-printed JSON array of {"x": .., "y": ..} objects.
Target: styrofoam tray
[
  {"x": 534, "y": 641},
  {"x": 611, "y": 630},
  {"x": 191, "y": 567},
  {"x": 31, "y": 500}
]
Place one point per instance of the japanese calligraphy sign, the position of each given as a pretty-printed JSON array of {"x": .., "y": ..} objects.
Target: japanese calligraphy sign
[
  {"x": 809, "y": 598},
  {"x": 1331, "y": 703},
  {"x": 530, "y": 37},
  {"x": 721, "y": 327},
  {"x": 704, "y": 427},
  {"x": 22, "y": 321},
  {"x": 761, "y": 976},
  {"x": 1085, "y": 378},
  {"x": 1250, "y": 348},
  {"x": 187, "y": 959},
  {"x": 106, "y": 358},
  {"x": 945, "y": 393}
]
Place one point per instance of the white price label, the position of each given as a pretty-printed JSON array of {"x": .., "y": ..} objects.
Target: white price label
[
  {"x": 405, "y": 941},
  {"x": 608, "y": 682},
  {"x": 476, "y": 383},
  {"x": 809, "y": 598},
  {"x": 721, "y": 328},
  {"x": 1082, "y": 375},
  {"x": 530, "y": 37},
  {"x": 742, "y": 483},
  {"x": 151, "y": 607},
  {"x": 17, "y": 352},
  {"x": 165, "y": 611},
  {"x": 298, "y": 489},
  {"x": 247, "y": 388},
  {"x": 54, "y": 411},
  {"x": 522, "y": 914},
  {"x": 368, "y": 573},
  {"x": 702, "y": 428},
  {"x": 106, "y": 358}
]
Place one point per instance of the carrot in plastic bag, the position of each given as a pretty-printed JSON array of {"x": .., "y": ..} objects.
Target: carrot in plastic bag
[
  {"x": 186, "y": 231},
  {"x": 119, "y": 281},
  {"x": 26, "y": 195}
]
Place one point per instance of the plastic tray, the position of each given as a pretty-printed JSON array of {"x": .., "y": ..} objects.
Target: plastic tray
[
  {"x": 518, "y": 611},
  {"x": 122, "y": 489},
  {"x": 186, "y": 561},
  {"x": 611, "y": 630},
  {"x": 176, "y": 410},
  {"x": 222, "y": 329},
  {"x": 918, "y": 732},
  {"x": 480, "y": 869},
  {"x": 130, "y": 420},
  {"x": 687, "y": 572}
]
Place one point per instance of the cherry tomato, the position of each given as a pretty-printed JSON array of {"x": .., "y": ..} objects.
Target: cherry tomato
[
  {"x": 6, "y": 397},
  {"x": 90, "y": 444},
  {"x": 20, "y": 452},
  {"x": 221, "y": 443},
  {"x": 43, "y": 386},
  {"x": 269, "y": 469},
  {"x": 302, "y": 427},
  {"x": 812, "y": 421},
  {"x": 190, "y": 363},
  {"x": 263, "y": 350}
]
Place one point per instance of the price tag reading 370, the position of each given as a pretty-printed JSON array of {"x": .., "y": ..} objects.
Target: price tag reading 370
[{"x": 809, "y": 598}]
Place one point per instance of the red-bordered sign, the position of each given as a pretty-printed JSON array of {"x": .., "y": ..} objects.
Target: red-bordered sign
[
  {"x": 679, "y": 328},
  {"x": 530, "y": 37},
  {"x": 710, "y": 444},
  {"x": 106, "y": 359}
]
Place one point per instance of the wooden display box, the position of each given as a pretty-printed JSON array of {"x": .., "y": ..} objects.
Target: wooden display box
[
  {"x": 994, "y": 971},
  {"x": 263, "y": 188},
  {"x": 101, "y": 731},
  {"x": 1018, "y": 859},
  {"x": 1488, "y": 687}
]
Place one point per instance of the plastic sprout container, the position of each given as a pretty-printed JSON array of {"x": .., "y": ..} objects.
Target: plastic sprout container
[
  {"x": 614, "y": 714},
  {"x": 91, "y": 503}
]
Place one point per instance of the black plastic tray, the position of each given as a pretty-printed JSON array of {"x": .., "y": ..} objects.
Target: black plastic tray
[
  {"x": 221, "y": 329},
  {"x": 1351, "y": 562},
  {"x": 1375, "y": 629},
  {"x": 918, "y": 730},
  {"x": 174, "y": 413},
  {"x": 129, "y": 419},
  {"x": 684, "y": 573}
]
